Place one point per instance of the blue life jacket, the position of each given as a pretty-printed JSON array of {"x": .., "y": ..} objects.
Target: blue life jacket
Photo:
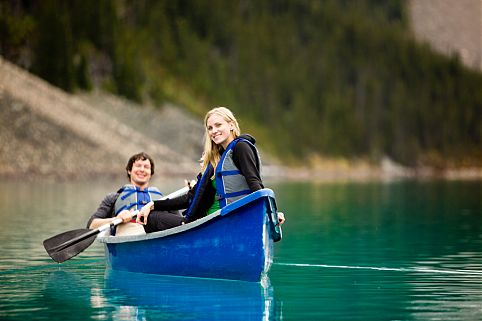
[
  {"x": 132, "y": 197},
  {"x": 231, "y": 185},
  {"x": 198, "y": 196}
]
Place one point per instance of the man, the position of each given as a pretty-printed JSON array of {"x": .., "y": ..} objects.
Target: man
[{"x": 140, "y": 169}]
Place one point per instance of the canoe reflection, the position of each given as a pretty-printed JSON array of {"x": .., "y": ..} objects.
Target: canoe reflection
[
  {"x": 66, "y": 291},
  {"x": 148, "y": 297}
]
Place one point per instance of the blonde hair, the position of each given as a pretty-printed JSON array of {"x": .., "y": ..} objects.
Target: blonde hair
[{"x": 212, "y": 152}]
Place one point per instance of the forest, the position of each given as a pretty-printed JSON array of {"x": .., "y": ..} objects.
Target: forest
[{"x": 309, "y": 78}]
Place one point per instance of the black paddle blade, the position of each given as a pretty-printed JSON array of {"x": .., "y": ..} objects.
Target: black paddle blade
[{"x": 66, "y": 245}]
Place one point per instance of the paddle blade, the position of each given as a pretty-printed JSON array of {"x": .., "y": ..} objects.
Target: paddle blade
[{"x": 66, "y": 245}]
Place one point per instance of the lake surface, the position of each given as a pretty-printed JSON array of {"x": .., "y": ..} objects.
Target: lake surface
[{"x": 406, "y": 250}]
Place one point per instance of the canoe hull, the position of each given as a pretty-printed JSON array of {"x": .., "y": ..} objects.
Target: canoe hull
[{"x": 235, "y": 244}]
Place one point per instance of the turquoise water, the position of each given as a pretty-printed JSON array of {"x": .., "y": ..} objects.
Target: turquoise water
[{"x": 409, "y": 250}]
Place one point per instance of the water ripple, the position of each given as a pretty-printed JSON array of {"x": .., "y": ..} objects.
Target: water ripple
[{"x": 409, "y": 269}]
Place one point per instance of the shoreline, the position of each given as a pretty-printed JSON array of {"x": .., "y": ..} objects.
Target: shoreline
[
  {"x": 270, "y": 173},
  {"x": 314, "y": 176}
]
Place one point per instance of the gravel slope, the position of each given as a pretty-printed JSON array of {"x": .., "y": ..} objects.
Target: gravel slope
[{"x": 47, "y": 132}]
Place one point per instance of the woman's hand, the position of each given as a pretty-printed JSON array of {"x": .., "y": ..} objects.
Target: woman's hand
[
  {"x": 189, "y": 183},
  {"x": 144, "y": 213},
  {"x": 281, "y": 218}
]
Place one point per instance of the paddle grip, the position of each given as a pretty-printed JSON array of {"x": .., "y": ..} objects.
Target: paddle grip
[{"x": 116, "y": 222}]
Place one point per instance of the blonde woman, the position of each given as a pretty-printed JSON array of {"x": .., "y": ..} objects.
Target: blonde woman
[{"x": 230, "y": 168}]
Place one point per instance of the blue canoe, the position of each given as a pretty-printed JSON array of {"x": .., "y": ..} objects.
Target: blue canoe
[{"x": 235, "y": 243}]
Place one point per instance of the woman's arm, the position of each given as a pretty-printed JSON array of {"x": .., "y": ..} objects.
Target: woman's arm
[
  {"x": 169, "y": 204},
  {"x": 245, "y": 159},
  {"x": 176, "y": 203}
]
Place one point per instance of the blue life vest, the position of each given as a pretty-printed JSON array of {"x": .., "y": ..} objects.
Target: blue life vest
[
  {"x": 199, "y": 192},
  {"x": 132, "y": 197},
  {"x": 231, "y": 185}
]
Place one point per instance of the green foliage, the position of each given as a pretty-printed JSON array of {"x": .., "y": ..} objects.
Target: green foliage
[
  {"x": 54, "y": 45},
  {"x": 15, "y": 29},
  {"x": 127, "y": 71},
  {"x": 81, "y": 68},
  {"x": 336, "y": 78}
]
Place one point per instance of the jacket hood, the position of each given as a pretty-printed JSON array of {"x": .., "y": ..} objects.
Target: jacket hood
[{"x": 248, "y": 137}]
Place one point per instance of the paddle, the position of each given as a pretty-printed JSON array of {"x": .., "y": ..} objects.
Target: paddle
[{"x": 66, "y": 245}]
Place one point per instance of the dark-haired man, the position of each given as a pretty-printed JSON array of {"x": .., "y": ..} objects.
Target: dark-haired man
[{"x": 134, "y": 195}]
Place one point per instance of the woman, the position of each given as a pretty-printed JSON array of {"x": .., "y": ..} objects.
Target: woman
[{"x": 230, "y": 169}]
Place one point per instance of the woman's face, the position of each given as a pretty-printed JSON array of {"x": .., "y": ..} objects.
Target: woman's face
[{"x": 219, "y": 130}]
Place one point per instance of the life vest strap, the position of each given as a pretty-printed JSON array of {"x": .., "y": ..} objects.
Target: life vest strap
[
  {"x": 230, "y": 173},
  {"x": 121, "y": 209},
  {"x": 234, "y": 194},
  {"x": 154, "y": 192},
  {"x": 127, "y": 194}
]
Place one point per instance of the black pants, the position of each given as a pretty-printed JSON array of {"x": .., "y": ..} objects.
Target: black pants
[{"x": 162, "y": 220}]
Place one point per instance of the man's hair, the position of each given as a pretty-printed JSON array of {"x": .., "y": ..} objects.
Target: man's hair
[{"x": 136, "y": 157}]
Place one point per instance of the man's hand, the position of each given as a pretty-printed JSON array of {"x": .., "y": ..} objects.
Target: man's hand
[{"x": 125, "y": 215}]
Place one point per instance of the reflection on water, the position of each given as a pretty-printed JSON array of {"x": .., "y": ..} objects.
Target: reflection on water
[
  {"x": 135, "y": 296},
  {"x": 144, "y": 296},
  {"x": 68, "y": 291},
  {"x": 429, "y": 299}
]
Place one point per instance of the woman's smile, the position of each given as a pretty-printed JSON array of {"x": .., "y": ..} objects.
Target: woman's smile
[{"x": 219, "y": 130}]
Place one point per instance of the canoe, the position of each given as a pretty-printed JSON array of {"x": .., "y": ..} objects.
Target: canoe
[{"x": 235, "y": 243}]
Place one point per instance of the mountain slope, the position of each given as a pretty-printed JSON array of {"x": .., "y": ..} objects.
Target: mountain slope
[{"x": 47, "y": 132}]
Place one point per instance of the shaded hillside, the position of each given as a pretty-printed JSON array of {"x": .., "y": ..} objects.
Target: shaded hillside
[
  {"x": 47, "y": 132},
  {"x": 337, "y": 79}
]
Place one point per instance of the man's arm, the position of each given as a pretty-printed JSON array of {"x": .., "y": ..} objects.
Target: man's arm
[
  {"x": 125, "y": 215},
  {"x": 105, "y": 211}
]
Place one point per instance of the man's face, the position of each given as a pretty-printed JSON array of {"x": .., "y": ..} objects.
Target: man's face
[{"x": 141, "y": 173}]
